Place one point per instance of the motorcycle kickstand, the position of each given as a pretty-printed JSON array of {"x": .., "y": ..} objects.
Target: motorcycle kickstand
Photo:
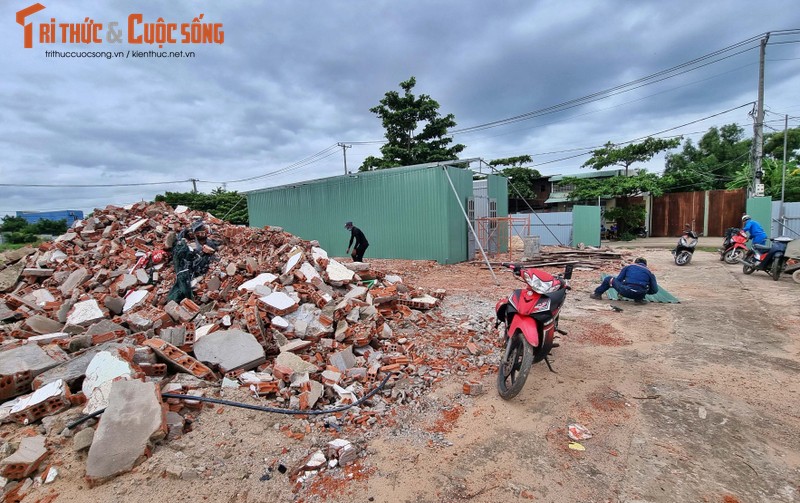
[{"x": 549, "y": 365}]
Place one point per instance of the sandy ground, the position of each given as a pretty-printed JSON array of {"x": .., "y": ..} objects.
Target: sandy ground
[{"x": 690, "y": 402}]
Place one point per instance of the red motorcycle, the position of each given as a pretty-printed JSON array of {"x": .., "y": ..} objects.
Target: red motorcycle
[
  {"x": 734, "y": 248},
  {"x": 530, "y": 316}
]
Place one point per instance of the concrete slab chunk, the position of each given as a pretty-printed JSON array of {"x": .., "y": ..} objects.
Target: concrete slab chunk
[
  {"x": 134, "y": 413},
  {"x": 262, "y": 279},
  {"x": 45, "y": 401},
  {"x": 134, "y": 299},
  {"x": 230, "y": 349},
  {"x": 337, "y": 273},
  {"x": 105, "y": 368},
  {"x": 294, "y": 258},
  {"x": 26, "y": 459},
  {"x": 29, "y": 357},
  {"x": 344, "y": 359},
  {"x": 10, "y": 275},
  {"x": 43, "y": 325},
  {"x": 84, "y": 313},
  {"x": 279, "y": 303},
  {"x": 295, "y": 363},
  {"x": 309, "y": 272},
  {"x": 76, "y": 279}
]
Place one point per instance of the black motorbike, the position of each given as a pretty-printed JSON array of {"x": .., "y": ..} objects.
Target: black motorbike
[
  {"x": 685, "y": 249},
  {"x": 770, "y": 259}
]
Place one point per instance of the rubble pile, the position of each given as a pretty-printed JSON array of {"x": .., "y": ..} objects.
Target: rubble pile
[{"x": 87, "y": 324}]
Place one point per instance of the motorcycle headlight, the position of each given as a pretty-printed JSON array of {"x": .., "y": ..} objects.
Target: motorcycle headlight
[{"x": 539, "y": 285}]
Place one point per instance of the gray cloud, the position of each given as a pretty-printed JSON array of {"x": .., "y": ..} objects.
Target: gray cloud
[{"x": 293, "y": 78}]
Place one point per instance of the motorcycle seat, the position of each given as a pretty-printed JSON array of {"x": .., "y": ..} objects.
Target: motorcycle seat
[{"x": 761, "y": 247}]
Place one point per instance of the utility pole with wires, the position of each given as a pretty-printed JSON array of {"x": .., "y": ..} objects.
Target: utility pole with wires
[
  {"x": 758, "y": 127},
  {"x": 194, "y": 185},
  {"x": 344, "y": 146}
]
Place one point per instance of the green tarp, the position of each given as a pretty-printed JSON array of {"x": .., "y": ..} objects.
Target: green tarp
[{"x": 662, "y": 296}]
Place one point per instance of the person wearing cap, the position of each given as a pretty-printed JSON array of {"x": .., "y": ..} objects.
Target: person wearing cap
[
  {"x": 754, "y": 230},
  {"x": 360, "y": 240},
  {"x": 634, "y": 281}
]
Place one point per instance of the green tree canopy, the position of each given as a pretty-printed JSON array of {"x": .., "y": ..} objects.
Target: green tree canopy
[
  {"x": 230, "y": 206},
  {"x": 773, "y": 145},
  {"x": 710, "y": 165},
  {"x": 625, "y": 157},
  {"x": 415, "y": 131},
  {"x": 520, "y": 178},
  {"x": 13, "y": 224}
]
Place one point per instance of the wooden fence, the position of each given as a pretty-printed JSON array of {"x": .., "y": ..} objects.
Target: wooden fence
[{"x": 708, "y": 213}]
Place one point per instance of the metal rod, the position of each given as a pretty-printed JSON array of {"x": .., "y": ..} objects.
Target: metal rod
[{"x": 469, "y": 224}]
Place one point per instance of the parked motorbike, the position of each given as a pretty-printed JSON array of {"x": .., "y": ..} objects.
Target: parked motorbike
[
  {"x": 530, "y": 318},
  {"x": 734, "y": 248},
  {"x": 770, "y": 259},
  {"x": 686, "y": 245}
]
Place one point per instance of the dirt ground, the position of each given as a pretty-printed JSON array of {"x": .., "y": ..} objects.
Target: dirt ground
[{"x": 690, "y": 402}]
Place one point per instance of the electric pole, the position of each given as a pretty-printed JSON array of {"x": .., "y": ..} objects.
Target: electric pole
[
  {"x": 344, "y": 146},
  {"x": 758, "y": 127},
  {"x": 783, "y": 170},
  {"x": 194, "y": 185}
]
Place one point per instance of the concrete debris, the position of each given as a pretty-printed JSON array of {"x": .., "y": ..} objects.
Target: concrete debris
[
  {"x": 26, "y": 459},
  {"x": 230, "y": 350},
  {"x": 107, "y": 455},
  {"x": 83, "y": 440},
  {"x": 273, "y": 314}
]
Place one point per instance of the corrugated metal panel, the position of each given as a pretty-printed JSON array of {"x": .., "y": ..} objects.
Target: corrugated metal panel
[
  {"x": 498, "y": 191},
  {"x": 550, "y": 227},
  {"x": 407, "y": 213},
  {"x": 34, "y": 216},
  {"x": 586, "y": 225},
  {"x": 791, "y": 212}
]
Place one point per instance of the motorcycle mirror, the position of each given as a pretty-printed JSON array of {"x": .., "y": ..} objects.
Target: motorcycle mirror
[{"x": 568, "y": 271}]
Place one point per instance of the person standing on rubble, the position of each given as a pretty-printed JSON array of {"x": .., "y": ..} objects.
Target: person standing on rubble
[{"x": 361, "y": 242}]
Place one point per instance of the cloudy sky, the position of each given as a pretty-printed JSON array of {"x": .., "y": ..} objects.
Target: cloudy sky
[{"x": 294, "y": 77}]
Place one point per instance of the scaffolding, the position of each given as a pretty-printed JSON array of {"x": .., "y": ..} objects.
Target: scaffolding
[{"x": 496, "y": 235}]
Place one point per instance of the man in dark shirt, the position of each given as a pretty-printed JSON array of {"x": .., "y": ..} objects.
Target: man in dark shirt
[
  {"x": 361, "y": 242},
  {"x": 634, "y": 281}
]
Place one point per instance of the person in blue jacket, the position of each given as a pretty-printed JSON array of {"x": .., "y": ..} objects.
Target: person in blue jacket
[
  {"x": 754, "y": 230},
  {"x": 634, "y": 281}
]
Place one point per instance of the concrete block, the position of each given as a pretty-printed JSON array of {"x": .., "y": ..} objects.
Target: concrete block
[
  {"x": 180, "y": 359},
  {"x": 108, "y": 456},
  {"x": 230, "y": 349},
  {"x": 45, "y": 339},
  {"x": 29, "y": 359},
  {"x": 40, "y": 297},
  {"x": 26, "y": 459},
  {"x": 10, "y": 275},
  {"x": 295, "y": 345}
]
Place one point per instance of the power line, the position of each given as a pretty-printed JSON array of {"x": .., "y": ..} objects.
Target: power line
[{"x": 299, "y": 164}]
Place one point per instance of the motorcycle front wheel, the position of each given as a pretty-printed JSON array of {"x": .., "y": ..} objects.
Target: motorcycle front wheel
[
  {"x": 734, "y": 256},
  {"x": 683, "y": 258},
  {"x": 514, "y": 367}
]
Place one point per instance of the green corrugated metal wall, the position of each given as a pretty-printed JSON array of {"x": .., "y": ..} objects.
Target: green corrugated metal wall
[
  {"x": 497, "y": 187},
  {"x": 586, "y": 225},
  {"x": 408, "y": 213}
]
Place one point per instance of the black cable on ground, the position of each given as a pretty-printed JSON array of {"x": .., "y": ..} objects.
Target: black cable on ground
[{"x": 276, "y": 410}]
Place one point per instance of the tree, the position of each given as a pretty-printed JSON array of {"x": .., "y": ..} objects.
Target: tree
[
  {"x": 229, "y": 206},
  {"x": 415, "y": 131},
  {"x": 13, "y": 224},
  {"x": 772, "y": 178},
  {"x": 625, "y": 157},
  {"x": 627, "y": 216},
  {"x": 520, "y": 178},
  {"x": 773, "y": 145},
  {"x": 714, "y": 162}
]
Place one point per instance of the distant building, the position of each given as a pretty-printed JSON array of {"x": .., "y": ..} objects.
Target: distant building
[
  {"x": 69, "y": 215},
  {"x": 559, "y": 193}
]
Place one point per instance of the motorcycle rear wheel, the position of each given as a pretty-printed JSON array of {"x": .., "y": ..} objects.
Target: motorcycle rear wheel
[
  {"x": 683, "y": 258},
  {"x": 748, "y": 269},
  {"x": 514, "y": 368},
  {"x": 733, "y": 256},
  {"x": 775, "y": 270}
]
